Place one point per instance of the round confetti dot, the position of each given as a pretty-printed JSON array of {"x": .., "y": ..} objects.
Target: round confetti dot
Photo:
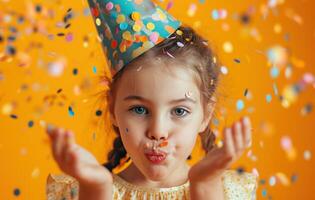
[
  {"x": 150, "y": 26},
  {"x": 154, "y": 37},
  {"x": 224, "y": 70},
  {"x": 75, "y": 71},
  {"x": 180, "y": 44},
  {"x": 127, "y": 36},
  {"x": 109, "y": 6},
  {"x": 215, "y": 14},
  {"x": 16, "y": 192},
  {"x": 179, "y": 32},
  {"x": 192, "y": 10},
  {"x": 135, "y": 16},
  {"x": 307, "y": 155},
  {"x": 98, "y": 113},
  {"x": 272, "y": 181},
  {"x": 114, "y": 44},
  {"x": 240, "y": 105},
  {"x": 94, "y": 69},
  {"x": 274, "y": 72},
  {"x": 123, "y": 26},
  {"x": 30, "y": 124},
  {"x": 268, "y": 98},
  {"x": 286, "y": 143},
  {"x": 98, "y": 21},
  {"x": 120, "y": 19},
  {"x": 136, "y": 27},
  {"x": 228, "y": 47}
]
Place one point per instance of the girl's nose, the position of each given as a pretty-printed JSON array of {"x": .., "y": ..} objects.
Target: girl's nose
[{"x": 158, "y": 130}]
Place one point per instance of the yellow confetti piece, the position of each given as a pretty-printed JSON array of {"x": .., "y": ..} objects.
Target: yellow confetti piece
[
  {"x": 127, "y": 36},
  {"x": 136, "y": 27},
  {"x": 120, "y": 19},
  {"x": 150, "y": 26},
  {"x": 228, "y": 47},
  {"x": 98, "y": 21},
  {"x": 284, "y": 180},
  {"x": 135, "y": 16},
  {"x": 179, "y": 32}
]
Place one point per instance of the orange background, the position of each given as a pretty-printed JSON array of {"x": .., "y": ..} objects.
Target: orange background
[{"x": 28, "y": 88}]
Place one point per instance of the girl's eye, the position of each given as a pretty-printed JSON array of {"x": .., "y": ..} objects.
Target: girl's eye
[
  {"x": 181, "y": 112},
  {"x": 139, "y": 110}
]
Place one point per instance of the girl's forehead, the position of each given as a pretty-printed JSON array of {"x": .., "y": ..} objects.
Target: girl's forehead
[{"x": 165, "y": 80}]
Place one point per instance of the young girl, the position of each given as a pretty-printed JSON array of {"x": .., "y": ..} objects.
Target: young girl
[{"x": 161, "y": 97}]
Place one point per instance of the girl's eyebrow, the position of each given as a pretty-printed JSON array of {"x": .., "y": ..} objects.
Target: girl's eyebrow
[{"x": 135, "y": 97}]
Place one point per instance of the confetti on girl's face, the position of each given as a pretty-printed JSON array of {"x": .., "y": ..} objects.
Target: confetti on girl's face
[{"x": 163, "y": 144}]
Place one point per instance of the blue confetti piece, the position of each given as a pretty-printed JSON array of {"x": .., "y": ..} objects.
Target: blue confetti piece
[
  {"x": 123, "y": 26},
  {"x": 268, "y": 98},
  {"x": 16, "y": 192},
  {"x": 30, "y": 124},
  {"x": 70, "y": 111},
  {"x": 215, "y": 14},
  {"x": 264, "y": 192},
  {"x": 94, "y": 69},
  {"x": 75, "y": 71},
  {"x": 240, "y": 105},
  {"x": 274, "y": 72}
]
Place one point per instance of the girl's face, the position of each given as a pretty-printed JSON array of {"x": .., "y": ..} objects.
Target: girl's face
[{"x": 155, "y": 103}]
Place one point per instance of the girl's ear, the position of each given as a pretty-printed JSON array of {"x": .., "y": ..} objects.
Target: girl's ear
[
  {"x": 111, "y": 106},
  {"x": 210, "y": 109}
]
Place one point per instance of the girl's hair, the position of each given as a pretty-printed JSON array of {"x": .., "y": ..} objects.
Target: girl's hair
[{"x": 191, "y": 51}]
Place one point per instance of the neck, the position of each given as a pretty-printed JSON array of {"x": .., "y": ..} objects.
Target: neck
[{"x": 134, "y": 176}]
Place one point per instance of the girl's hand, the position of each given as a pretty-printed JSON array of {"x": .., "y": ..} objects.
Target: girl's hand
[
  {"x": 211, "y": 167},
  {"x": 76, "y": 161}
]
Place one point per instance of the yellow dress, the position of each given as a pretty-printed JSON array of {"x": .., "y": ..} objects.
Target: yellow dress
[{"x": 236, "y": 187}]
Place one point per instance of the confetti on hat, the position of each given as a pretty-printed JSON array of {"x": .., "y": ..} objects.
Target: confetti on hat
[{"x": 130, "y": 28}]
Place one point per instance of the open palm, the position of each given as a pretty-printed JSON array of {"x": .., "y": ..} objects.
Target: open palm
[
  {"x": 236, "y": 140},
  {"x": 76, "y": 161}
]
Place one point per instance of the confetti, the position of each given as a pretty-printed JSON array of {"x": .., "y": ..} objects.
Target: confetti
[
  {"x": 228, "y": 47},
  {"x": 70, "y": 111},
  {"x": 237, "y": 60},
  {"x": 268, "y": 98},
  {"x": 98, "y": 113},
  {"x": 307, "y": 155},
  {"x": 224, "y": 70},
  {"x": 240, "y": 105},
  {"x": 30, "y": 124},
  {"x": 192, "y": 10},
  {"x": 16, "y": 192}
]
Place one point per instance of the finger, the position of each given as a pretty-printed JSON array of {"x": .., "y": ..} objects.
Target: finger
[
  {"x": 58, "y": 143},
  {"x": 247, "y": 129},
  {"x": 228, "y": 142},
  {"x": 69, "y": 143},
  {"x": 65, "y": 148},
  {"x": 238, "y": 137}
]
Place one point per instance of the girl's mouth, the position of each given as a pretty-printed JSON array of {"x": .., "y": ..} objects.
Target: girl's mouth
[{"x": 156, "y": 158}]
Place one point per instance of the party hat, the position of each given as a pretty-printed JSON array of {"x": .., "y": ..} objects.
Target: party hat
[{"x": 129, "y": 28}]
